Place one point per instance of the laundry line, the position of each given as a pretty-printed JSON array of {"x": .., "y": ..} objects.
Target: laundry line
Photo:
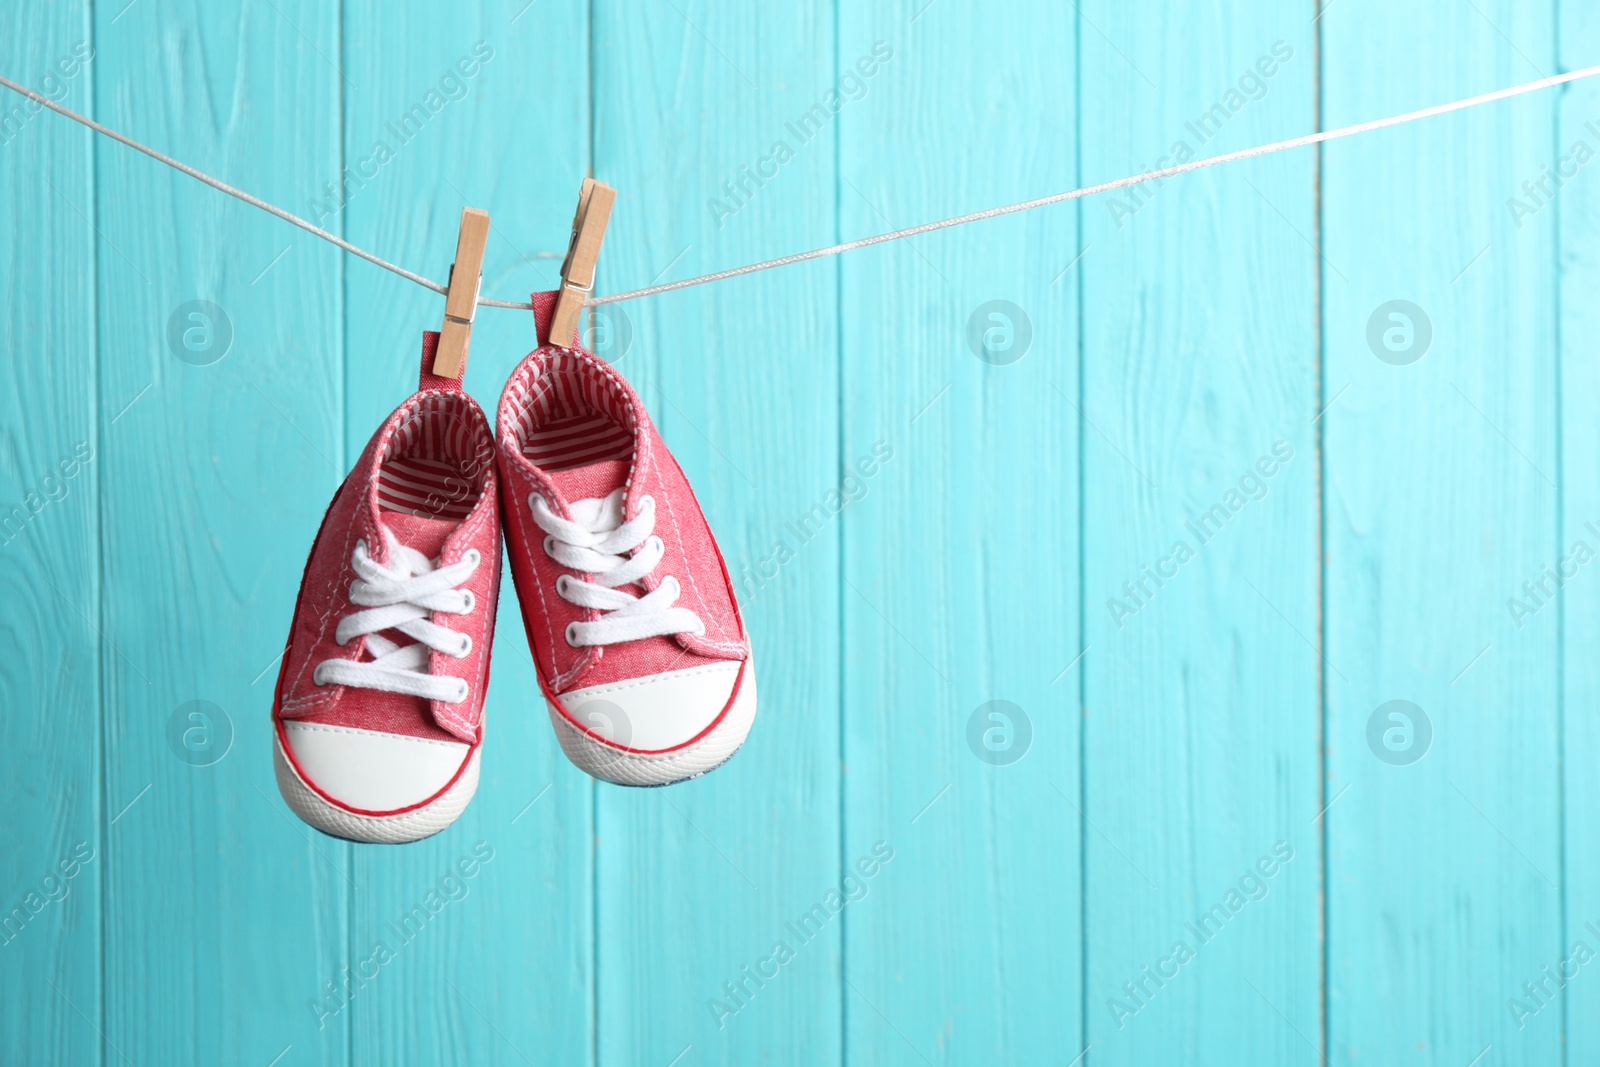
[{"x": 846, "y": 246}]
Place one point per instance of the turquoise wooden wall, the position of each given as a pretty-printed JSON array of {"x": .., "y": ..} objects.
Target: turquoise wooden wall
[{"x": 1203, "y": 512}]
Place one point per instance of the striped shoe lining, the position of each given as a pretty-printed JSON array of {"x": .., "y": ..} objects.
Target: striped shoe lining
[
  {"x": 571, "y": 417},
  {"x": 436, "y": 461}
]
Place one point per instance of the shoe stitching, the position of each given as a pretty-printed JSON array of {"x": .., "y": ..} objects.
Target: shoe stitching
[
  {"x": 519, "y": 390},
  {"x": 632, "y": 683},
  {"x": 521, "y": 401},
  {"x": 381, "y": 446},
  {"x": 319, "y": 728},
  {"x": 319, "y": 697},
  {"x": 689, "y": 571},
  {"x": 469, "y": 531},
  {"x": 582, "y": 661}
]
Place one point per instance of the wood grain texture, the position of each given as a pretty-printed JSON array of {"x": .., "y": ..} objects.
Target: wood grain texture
[
  {"x": 1444, "y": 873},
  {"x": 223, "y": 914},
  {"x": 695, "y": 885},
  {"x": 1200, "y": 542},
  {"x": 917, "y": 528},
  {"x": 50, "y": 959},
  {"x": 1577, "y": 218},
  {"x": 504, "y": 972},
  {"x": 960, "y": 576}
]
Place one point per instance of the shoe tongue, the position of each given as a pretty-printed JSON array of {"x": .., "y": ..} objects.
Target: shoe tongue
[
  {"x": 592, "y": 482},
  {"x": 426, "y": 535}
]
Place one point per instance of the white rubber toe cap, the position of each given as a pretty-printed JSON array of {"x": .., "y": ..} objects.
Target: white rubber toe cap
[
  {"x": 690, "y": 709},
  {"x": 656, "y": 713},
  {"x": 369, "y": 771}
]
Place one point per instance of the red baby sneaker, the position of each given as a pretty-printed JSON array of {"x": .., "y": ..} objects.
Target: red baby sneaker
[
  {"x": 629, "y": 609},
  {"x": 379, "y": 707}
]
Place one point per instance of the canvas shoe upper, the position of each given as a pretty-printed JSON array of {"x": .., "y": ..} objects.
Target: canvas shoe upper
[
  {"x": 378, "y": 713},
  {"x": 629, "y": 609}
]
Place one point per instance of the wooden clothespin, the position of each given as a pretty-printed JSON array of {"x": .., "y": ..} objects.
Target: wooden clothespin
[
  {"x": 461, "y": 304},
  {"x": 577, "y": 272}
]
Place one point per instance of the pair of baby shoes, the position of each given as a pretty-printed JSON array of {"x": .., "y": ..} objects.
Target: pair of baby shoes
[{"x": 640, "y": 651}]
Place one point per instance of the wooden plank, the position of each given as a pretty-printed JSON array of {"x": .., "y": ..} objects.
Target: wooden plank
[
  {"x": 918, "y": 529},
  {"x": 961, "y": 591},
  {"x": 1441, "y": 471},
  {"x": 468, "y": 103},
  {"x": 1200, "y": 542},
  {"x": 50, "y": 454},
  {"x": 1577, "y": 222},
  {"x": 696, "y": 882},
  {"x": 222, "y": 369}
]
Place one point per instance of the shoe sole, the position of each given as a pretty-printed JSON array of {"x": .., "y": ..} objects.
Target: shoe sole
[
  {"x": 620, "y": 767},
  {"x": 396, "y": 829}
]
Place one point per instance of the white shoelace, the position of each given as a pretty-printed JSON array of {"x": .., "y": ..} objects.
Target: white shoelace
[
  {"x": 401, "y": 597},
  {"x": 596, "y": 542}
]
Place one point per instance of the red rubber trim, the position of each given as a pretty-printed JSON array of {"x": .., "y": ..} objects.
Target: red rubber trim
[
  {"x": 288, "y": 753},
  {"x": 555, "y": 702},
  {"x": 283, "y": 670}
]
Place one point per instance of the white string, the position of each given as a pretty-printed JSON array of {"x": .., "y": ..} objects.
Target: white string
[
  {"x": 847, "y": 246},
  {"x": 1119, "y": 183},
  {"x": 223, "y": 186}
]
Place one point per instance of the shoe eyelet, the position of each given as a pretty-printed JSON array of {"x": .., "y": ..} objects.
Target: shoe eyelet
[
  {"x": 562, "y": 585},
  {"x": 568, "y": 634},
  {"x": 317, "y": 676},
  {"x": 471, "y": 603},
  {"x": 473, "y": 556},
  {"x": 462, "y": 691},
  {"x": 535, "y": 500},
  {"x": 466, "y": 647},
  {"x": 549, "y": 542}
]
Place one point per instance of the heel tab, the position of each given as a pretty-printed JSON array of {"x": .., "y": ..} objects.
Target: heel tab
[
  {"x": 428, "y": 380},
  {"x": 544, "y": 310}
]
